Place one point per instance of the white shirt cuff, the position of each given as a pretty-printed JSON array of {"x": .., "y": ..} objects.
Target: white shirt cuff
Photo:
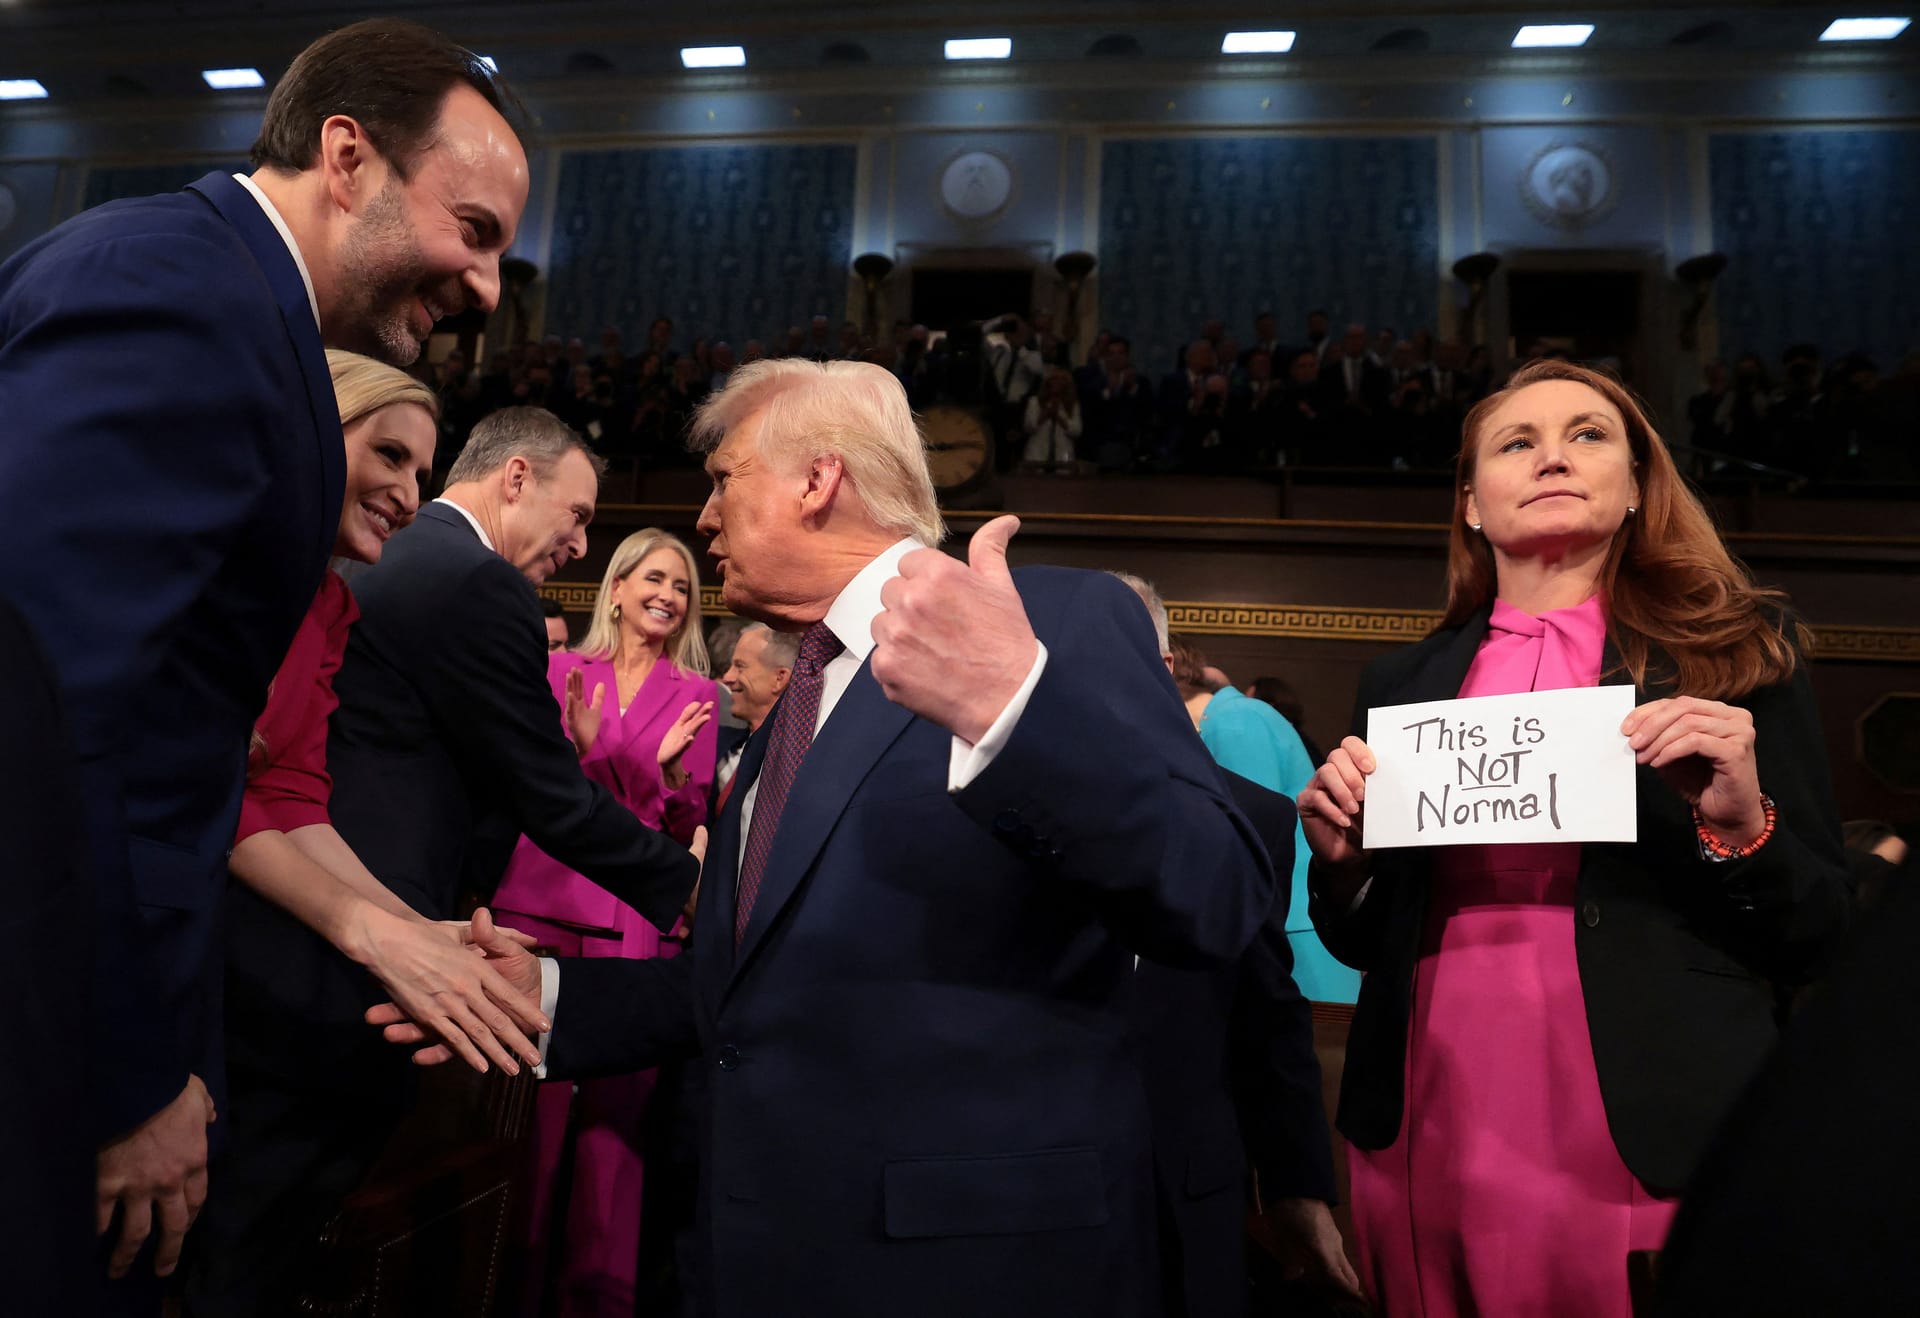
[
  {"x": 964, "y": 762},
  {"x": 549, "y": 999}
]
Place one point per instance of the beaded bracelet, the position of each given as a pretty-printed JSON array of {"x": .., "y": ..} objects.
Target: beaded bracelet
[{"x": 1714, "y": 849}]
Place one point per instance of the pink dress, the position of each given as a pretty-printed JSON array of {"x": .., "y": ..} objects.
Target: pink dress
[
  {"x": 1504, "y": 1193},
  {"x": 594, "y": 1228}
]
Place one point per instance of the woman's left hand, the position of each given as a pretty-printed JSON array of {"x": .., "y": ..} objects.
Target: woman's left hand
[
  {"x": 678, "y": 738},
  {"x": 1704, "y": 751}
]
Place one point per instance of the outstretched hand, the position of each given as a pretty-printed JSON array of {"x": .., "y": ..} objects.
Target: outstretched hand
[
  {"x": 953, "y": 643},
  {"x": 582, "y": 717},
  {"x": 508, "y": 975}
]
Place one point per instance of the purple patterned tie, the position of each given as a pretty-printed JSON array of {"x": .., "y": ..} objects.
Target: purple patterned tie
[{"x": 786, "y": 747}]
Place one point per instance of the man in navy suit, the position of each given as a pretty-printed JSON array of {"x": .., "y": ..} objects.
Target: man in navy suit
[
  {"x": 169, "y": 350},
  {"x": 977, "y": 800}
]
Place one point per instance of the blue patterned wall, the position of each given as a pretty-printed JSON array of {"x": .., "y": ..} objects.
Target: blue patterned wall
[
  {"x": 733, "y": 242},
  {"x": 1194, "y": 228},
  {"x": 112, "y": 182},
  {"x": 1818, "y": 232}
]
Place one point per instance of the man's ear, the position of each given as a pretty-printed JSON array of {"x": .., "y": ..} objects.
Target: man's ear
[
  {"x": 515, "y": 476},
  {"x": 824, "y": 476},
  {"x": 352, "y": 170},
  {"x": 780, "y": 679}
]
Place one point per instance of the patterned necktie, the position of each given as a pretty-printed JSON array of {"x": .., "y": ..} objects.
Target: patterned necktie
[{"x": 786, "y": 747}]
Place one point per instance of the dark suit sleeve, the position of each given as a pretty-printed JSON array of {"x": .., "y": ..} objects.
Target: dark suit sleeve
[
  {"x": 613, "y": 1016},
  {"x": 488, "y": 694},
  {"x": 1104, "y": 785},
  {"x": 1275, "y": 1073},
  {"x": 1791, "y": 900},
  {"x": 1354, "y": 934},
  {"x": 130, "y": 468}
]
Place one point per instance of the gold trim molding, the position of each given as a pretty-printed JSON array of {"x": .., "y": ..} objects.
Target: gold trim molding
[{"x": 1877, "y": 645}]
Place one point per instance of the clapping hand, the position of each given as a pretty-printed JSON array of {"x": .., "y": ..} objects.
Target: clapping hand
[
  {"x": 678, "y": 737},
  {"x": 582, "y": 717},
  {"x": 953, "y": 643}
]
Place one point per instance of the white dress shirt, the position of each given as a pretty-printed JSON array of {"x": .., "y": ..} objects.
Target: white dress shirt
[
  {"x": 286, "y": 236},
  {"x": 850, "y": 618}
]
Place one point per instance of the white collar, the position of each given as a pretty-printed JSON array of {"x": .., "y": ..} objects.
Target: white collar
[
  {"x": 286, "y": 236},
  {"x": 474, "y": 522},
  {"x": 850, "y": 617}
]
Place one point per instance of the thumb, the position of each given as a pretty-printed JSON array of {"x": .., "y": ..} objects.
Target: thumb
[{"x": 987, "y": 551}]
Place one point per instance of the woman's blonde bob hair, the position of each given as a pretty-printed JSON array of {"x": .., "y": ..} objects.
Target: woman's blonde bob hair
[
  {"x": 1680, "y": 608},
  {"x": 687, "y": 647},
  {"x": 362, "y": 385},
  {"x": 854, "y": 411}
]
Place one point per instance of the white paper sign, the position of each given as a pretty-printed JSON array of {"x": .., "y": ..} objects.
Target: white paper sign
[{"x": 1543, "y": 766}]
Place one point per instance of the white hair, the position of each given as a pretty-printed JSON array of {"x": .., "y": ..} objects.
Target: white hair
[
  {"x": 854, "y": 411},
  {"x": 1156, "y": 607},
  {"x": 783, "y": 648}
]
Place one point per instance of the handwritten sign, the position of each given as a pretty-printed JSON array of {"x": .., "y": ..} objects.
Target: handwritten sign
[{"x": 1543, "y": 766}]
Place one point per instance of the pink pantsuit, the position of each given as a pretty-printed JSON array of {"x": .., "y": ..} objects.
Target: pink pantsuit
[
  {"x": 596, "y": 1232},
  {"x": 1504, "y": 1193}
]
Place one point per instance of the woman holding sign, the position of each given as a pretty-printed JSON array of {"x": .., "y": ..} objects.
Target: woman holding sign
[{"x": 1547, "y": 1033}]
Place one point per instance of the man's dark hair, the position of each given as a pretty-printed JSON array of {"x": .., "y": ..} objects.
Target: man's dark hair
[
  {"x": 387, "y": 74},
  {"x": 550, "y": 607}
]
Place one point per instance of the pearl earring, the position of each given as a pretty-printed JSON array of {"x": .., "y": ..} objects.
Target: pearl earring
[
  {"x": 1474, "y": 525},
  {"x": 1631, "y": 510}
]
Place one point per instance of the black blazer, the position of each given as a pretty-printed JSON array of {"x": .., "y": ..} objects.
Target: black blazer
[
  {"x": 1232, "y": 1078},
  {"x": 1807, "y": 1202},
  {"x": 445, "y": 748},
  {"x": 46, "y": 1237},
  {"x": 922, "y": 1094},
  {"x": 1681, "y": 958}
]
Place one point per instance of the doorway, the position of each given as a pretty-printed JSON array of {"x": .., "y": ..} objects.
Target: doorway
[{"x": 1592, "y": 315}]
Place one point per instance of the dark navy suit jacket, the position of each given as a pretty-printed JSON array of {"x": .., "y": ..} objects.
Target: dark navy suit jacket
[
  {"x": 923, "y": 1095},
  {"x": 1232, "y": 1081},
  {"x": 171, "y": 473}
]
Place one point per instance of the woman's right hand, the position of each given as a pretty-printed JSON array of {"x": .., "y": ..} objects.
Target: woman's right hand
[
  {"x": 439, "y": 983},
  {"x": 1331, "y": 806},
  {"x": 582, "y": 718}
]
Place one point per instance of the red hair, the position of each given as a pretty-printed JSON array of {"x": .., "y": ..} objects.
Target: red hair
[{"x": 1678, "y": 604}]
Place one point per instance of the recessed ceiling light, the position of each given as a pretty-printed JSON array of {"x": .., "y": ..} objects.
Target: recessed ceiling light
[
  {"x": 489, "y": 63},
  {"x": 1865, "y": 29},
  {"x": 980, "y": 48},
  {"x": 1256, "y": 43},
  {"x": 226, "y": 80},
  {"x": 1552, "y": 34},
  {"x": 21, "y": 89},
  {"x": 713, "y": 57}
]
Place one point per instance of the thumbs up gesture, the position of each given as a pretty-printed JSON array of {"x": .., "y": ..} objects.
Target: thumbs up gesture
[{"x": 953, "y": 643}]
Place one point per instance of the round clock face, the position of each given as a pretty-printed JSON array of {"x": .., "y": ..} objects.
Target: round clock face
[
  {"x": 958, "y": 447},
  {"x": 976, "y": 185}
]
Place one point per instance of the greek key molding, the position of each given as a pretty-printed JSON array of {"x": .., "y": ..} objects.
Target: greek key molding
[
  {"x": 1321, "y": 623},
  {"x": 1878, "y": 645}
]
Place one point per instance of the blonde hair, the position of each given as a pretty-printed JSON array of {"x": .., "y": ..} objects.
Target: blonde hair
[
  {"x": 854, "y": 411},
  {"x": 1678, "y": 604},
  {"x": 362, "y": 385},
  {"x": 687, "y": 647}
]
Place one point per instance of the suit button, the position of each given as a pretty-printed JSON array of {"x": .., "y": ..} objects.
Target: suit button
[
  {"x": 1007, "y": 821},
  {"x": 1590, "y": 914},
  {"x": 728, "y": 1057}
]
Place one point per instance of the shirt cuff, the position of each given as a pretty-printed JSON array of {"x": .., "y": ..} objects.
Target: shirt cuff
[
  {"x": 549, "y": 999},
  {"x": 964, "y": 762}
]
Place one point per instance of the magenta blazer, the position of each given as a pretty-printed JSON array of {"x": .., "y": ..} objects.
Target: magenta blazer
[{"x": 624, "y": 759}]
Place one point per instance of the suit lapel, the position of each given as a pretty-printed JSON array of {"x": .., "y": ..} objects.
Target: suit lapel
[
  {"x": 1440, "y": 678},
  {"x": 863, "y": 725},
  {"x": 240, "y": 209},
  {"x": 713, "y": 919}
]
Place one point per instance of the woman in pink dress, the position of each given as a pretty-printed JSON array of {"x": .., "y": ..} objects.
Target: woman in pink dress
[
  {"x": 1547, "y": 1034},
  {"x": 636, "y": 700}
]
